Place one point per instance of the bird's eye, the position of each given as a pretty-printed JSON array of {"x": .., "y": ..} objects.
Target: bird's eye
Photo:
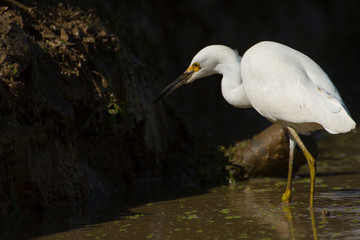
[{"x": 196, "y": 65}]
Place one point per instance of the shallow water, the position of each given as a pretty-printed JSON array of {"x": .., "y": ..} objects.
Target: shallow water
[{"x": 244, "y": 210}]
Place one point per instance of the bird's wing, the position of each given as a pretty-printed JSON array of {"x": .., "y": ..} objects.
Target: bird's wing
[
  {"x": 322, "y": 92},
  {"x": 320, "y": 80},
  {"x": 310, "y": 97},
  {"x": 292, "y": 95},
  {"x": 286, "y": 86}
]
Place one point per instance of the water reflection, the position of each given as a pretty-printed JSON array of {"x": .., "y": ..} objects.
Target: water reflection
[
  {"x": 264, "y": 206},
  {"x": 289, "y": 217},
  {"x": 238, "y": 211},
  {"x": 247, "y": 210},
  {"x": 313, "y": 223}
]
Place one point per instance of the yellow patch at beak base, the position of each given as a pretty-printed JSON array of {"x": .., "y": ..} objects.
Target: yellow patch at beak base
[{"x": 194, "y": 67}]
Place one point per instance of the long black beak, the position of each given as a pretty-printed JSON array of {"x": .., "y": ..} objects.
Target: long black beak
[{"x": 174, "y": 85}]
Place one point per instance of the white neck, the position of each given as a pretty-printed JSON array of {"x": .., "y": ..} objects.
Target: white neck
[{"x": 232, "y": 87}]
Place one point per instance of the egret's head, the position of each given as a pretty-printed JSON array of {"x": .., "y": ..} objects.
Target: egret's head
[{"x": 203, "y": 64}]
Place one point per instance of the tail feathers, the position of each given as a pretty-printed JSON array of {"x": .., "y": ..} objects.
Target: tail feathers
[{"x": 336, "y": 123}]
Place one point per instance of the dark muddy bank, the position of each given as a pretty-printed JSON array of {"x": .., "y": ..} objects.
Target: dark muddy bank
[{"x": 77, "y": 118}]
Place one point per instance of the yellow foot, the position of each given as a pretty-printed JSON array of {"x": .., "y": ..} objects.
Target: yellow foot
[{"x": 286, "y": 197}]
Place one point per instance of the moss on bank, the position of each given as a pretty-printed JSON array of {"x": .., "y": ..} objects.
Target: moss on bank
[{"x": 76, "y": 105}]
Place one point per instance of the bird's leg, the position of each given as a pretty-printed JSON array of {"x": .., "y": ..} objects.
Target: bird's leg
[
  {"x": 286, "y": 197},
  {"x": 311, "y": 162}
]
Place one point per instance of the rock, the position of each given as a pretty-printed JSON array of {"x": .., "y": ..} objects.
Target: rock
[{"x": 266, "y": 154}]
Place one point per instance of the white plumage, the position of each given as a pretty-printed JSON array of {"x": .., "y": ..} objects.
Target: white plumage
[
  {"x": 282, "y": 84},
  {"x": 289, "y": 88}
]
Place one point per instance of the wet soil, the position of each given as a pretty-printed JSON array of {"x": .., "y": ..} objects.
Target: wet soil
[
  {"x": 244, "y": 210},
  {"x": 76, "y": 113}
]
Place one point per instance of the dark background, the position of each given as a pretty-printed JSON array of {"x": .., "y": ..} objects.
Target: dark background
[{"x": 172, "y": 33}]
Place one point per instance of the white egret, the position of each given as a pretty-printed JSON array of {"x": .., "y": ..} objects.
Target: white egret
[{"x": 282, "y": 84}]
